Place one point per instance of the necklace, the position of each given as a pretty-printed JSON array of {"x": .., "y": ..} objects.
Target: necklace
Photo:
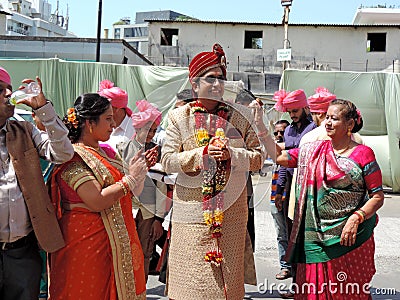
[
  {"x": 339, "y": 152},
  {"x": 214, "y": 174}
]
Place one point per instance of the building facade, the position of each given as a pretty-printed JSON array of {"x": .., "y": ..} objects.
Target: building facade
[
  {"x": 252, "y": 47},
  {"x": 33, "y": 18}
]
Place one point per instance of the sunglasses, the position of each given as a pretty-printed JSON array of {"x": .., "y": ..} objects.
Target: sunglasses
[
  {"x": 279, "y": 131},
  {"x": 213, "y": 79}
]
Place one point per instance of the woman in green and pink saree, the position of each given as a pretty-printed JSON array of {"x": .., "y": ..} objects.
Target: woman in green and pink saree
[{"x": 338, "y": 191}]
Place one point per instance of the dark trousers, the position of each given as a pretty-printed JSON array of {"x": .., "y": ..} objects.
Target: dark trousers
[
  {"x": 250, "y": 221},
  {"x": 20, "y": 272}
]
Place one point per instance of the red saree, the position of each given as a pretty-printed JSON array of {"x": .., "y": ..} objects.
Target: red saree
[{"x": 102, "y": 258}]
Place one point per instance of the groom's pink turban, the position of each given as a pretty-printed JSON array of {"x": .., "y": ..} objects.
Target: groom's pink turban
[
  {"x": 292, "y": 100},
  {"x": 319, "y": 102},
  {"x": 117, "y": 96},
  {"x": 147, "y": 113}
]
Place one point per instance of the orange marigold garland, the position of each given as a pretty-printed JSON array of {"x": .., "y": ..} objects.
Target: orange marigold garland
[{"x": 214, "y": 174}]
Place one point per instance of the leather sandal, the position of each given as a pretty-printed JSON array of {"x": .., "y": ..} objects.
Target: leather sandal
[{"x": 283, "y": 274}]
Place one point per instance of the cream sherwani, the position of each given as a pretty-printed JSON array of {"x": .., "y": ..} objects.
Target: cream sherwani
[{"x": 190, "y": 277}]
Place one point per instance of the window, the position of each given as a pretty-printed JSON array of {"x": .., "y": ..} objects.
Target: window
[
  {"x": 376, "y": 42},
  {"x": 136, "y": 31},
  {"x": 117, "y": 33},
  {"x": 253, "y": 39},
  {"x": 169, "y": 37}
]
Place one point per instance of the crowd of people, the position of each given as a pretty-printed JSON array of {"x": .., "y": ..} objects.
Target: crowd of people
[{"x": 78, "y": 204}]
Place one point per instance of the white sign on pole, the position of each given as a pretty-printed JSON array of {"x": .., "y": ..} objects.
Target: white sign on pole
[{"x": 283, "y": 54}]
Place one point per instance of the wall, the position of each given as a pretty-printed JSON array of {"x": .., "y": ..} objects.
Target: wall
[
  {"x": 327, "y": 44},
  {"x": 84, "y": 49}
]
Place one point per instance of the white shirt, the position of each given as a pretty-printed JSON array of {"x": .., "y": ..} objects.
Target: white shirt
[{"x": 124, "y": 132}]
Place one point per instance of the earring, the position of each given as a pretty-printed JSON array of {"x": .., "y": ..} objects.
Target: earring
[
  {"x": 349, "y": 132},
  {"x": 90, "y": 129}
]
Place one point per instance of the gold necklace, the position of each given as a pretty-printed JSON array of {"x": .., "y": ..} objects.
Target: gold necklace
[{"x": 339, "y": 152}]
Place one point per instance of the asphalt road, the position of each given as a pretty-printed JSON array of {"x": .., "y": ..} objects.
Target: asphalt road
[{"x": 385, "y": 284}]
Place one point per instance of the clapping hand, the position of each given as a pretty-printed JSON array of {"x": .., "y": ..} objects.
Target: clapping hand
[
  {"x": 151, "y": 156},
  {"x": 137, "y": 166},
  {"x": 218, "y": 148},
  {"x": 258, "y": 115}
]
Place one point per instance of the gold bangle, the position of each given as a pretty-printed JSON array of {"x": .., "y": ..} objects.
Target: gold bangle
[{"x": 122, "y": 187}]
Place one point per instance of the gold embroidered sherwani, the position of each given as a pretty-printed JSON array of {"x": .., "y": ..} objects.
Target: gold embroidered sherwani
[{"x": 190, "y": 276}]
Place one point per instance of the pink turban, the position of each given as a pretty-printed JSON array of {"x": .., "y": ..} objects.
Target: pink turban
[
  {"x": 205, "y": 61},
  {"x": 117, "y": 96},
  {"x": 292, "y": 100},
  {"x": 147, "y": 113},
  {"x": 319, "y": 102},
  {"x": 4, "y": 76}
]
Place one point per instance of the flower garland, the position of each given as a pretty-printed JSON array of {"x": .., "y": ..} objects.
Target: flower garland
[
  {"x": 71, "y": 116},
  {"x": 214, "y": 174}
]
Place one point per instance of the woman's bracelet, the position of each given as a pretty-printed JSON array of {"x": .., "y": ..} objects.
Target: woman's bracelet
[
  {"x": 361, "y": 215},
  {"x": 130, "y": 181},
  {"x": 124, "y": 189}
]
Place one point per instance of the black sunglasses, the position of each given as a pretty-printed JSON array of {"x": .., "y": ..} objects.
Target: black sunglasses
[
  {"x": 211, "y": 79},
  {"x": 279, "y": 131}
]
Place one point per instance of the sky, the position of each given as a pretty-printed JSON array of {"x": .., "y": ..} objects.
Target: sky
[{"x": 83, "y": 14}]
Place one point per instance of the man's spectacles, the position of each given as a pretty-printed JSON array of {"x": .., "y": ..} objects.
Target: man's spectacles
[
  {"x": 279, "y": 131},
  {"x": 211, "y": 79}
]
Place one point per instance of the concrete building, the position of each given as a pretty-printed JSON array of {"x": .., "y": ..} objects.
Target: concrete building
[
  {"x": 252, "y": 47},
  {"x": 33, "y": 18},
  {"x": 137, "y": 34}
]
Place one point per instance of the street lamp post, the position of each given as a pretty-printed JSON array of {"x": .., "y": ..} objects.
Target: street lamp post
[
  {"x": 99, "y": 31},
  {"x": 286, "y": 5}
]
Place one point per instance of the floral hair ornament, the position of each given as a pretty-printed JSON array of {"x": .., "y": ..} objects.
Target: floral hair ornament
[
  {"x": 71, "y": 115},
  {"x": 358, "y": 116}
]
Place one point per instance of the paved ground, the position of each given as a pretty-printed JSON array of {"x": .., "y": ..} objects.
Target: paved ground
[{"x": 385, "y": 284}]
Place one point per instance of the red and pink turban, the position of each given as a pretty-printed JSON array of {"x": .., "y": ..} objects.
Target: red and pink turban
[
  {"x": 205, "y": 61},
  {"x": 319, "y": 102},
  {"x": 292, "y": 100},
  {"x": 4, "y": 76},
  {"x": 117, "y": 96},
  {"x": 147, "y": 113}
]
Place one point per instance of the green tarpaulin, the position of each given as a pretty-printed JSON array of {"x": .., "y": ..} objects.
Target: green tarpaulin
[
  {"x": 63, "y": 81},
  {"x": 377, "y": 95}
]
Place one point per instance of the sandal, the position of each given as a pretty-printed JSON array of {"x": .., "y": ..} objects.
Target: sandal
[{"x": 283, "y": 274}]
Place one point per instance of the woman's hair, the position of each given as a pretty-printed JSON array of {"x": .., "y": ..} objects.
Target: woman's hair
[
  {"x": 86, "y": 107},
  {"x": 350, "y": 111}
]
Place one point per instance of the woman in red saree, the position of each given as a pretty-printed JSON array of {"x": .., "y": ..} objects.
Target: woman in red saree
[
  {"x": 338, "y": 191},
  {"x": 102, "y": 258}
]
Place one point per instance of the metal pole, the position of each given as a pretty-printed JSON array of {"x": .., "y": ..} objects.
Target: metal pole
[
  {"x": 99, "y": 31},
  {"x": 285, "y": 28}
]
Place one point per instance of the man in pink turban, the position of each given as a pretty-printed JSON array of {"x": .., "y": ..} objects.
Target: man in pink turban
[
  {"x": 151, "y": 204},
  {"x": 295, "y": 103},
  {"x": 123, "y": 130}
]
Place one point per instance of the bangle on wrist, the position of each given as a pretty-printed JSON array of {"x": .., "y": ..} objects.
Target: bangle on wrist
[
  {"x": 130, "y": 181},
  {"x": 360, "y": 214},
  {"x": 123, "y": 188}
]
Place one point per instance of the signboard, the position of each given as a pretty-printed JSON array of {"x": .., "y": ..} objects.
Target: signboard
[{"x": 283, "y": 54}]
